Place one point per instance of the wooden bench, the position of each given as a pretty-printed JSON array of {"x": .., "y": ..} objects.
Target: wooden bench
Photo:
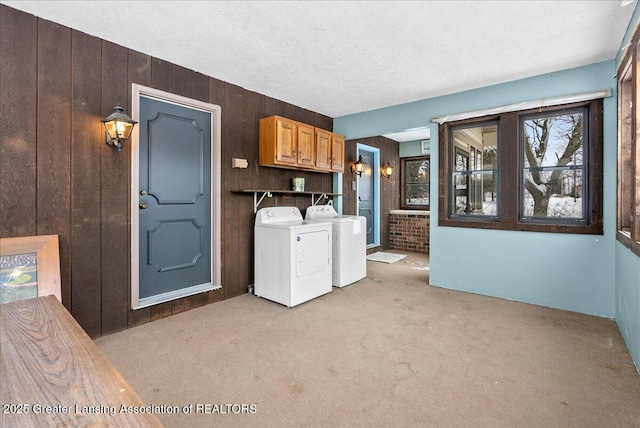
[{"x": 53, "y": 374}]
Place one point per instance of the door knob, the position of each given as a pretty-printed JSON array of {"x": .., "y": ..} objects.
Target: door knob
[{"x": 144, "y": 205}]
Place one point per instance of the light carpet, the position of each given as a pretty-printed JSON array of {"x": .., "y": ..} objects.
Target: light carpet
[{"x": 386, "y": 351}]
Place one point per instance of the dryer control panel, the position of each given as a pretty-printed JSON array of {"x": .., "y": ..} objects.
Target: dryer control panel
[{"x": 277, "y": 215}]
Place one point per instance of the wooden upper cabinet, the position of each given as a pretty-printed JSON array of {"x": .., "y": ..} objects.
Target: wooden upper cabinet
[
  {"x": 286, "y": 137},
  {"x": 323, "y": 149},
  {"x": 337, "y": 153},
  {"x": 286, "y": 143},
  {"x": 306, "y": 152},
  {"x": 278, "y": 142}
]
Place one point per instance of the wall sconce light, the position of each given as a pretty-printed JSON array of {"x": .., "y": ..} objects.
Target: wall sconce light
[
  {"x": 358, "y": 167},
  {"x": 118, "y": 126},
  {"x": 387, "y": 171}
]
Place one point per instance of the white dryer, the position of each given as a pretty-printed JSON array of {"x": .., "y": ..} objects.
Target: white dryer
[
  {"x": 349, "y": 243},
  {"x": 292, "y": 256}
]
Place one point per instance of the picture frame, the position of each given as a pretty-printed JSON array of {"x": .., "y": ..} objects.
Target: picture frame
[
  {"x": 425, "y": 147},
  {"x": 29, "y": 267}
]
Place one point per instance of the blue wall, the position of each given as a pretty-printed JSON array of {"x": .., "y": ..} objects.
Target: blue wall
[
  {"x": 574, "y": 272},
  {"x": 628, "y": 299},
  {"x": 410, "y": 148},
  {"x": 627, "y": 268}
]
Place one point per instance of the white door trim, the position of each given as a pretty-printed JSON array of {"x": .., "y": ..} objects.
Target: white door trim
[
  {"x": 376, "y": 191},
  {"x": 139, "y": 91}
]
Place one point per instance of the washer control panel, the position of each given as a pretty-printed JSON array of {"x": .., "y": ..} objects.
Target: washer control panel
[{"x": 320, "y": 211}]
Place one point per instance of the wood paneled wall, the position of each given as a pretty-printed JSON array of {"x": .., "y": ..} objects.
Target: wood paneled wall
[
  {"x": 57, "y": 175},
  {"x": 389, "y": 188}
]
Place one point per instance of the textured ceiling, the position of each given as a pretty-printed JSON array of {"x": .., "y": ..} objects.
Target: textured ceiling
[{"x": 338, "y": 58}]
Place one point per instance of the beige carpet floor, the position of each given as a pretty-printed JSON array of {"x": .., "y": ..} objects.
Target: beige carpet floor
[{"x": 387, "y": 351}]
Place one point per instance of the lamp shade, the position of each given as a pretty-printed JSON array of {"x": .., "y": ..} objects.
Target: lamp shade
[
  {"x": 118, "y": 124},
  {"x": 358, "y": 166},
  {"x": 387, "y": 170}
]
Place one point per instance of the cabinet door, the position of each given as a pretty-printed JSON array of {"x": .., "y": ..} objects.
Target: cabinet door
[
  {"x": 337, "y": 153},
  {"x": 306, "y": 155},
  {"x": 286, "y": 142},
  {"x": 323, "y": 149}
]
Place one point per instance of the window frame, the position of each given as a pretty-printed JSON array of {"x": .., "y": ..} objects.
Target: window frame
[
  {"x": 585, "y": 168},
  {"x": 628, "y": 155},
  {"x": 510, "y": 181},
  {"x": 471, "y": 160},
  {"x": 403, "y": 183}
]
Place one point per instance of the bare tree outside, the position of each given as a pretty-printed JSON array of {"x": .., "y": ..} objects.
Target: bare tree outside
[
  {"x": 553, "y": 165},
  {"x": 417, "y": 182}
]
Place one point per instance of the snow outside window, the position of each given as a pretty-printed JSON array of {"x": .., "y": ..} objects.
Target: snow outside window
[
  {"x": 415, "y": 182},
  {"x": 536, "y": 170},
  {"x": 554, "y": 166},
  {"x": 474, "y": 175}
]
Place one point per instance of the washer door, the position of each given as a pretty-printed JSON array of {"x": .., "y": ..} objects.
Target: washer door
[{"x": 312, "y": 252}]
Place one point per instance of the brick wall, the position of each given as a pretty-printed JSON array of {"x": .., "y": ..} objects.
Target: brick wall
[{"x": 409, "y": 231}]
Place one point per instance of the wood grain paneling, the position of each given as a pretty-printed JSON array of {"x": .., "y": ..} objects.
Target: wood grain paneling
[
  {"x": 18, "y": 89},
  {"x": 182, "y": 81},
  {"x": 349, "y": 192},
  {"x": 55, "y": 86},
  {"x": 161, "y": 75},
  {"x": 246, "y": 138},
  {"x": 54, "y": 143},
  {"x": 263, "y": 178},
  {"x": 230, "y": 149},
  {"x": 86, "y": 104},
  {"x": 114, "y": 210},
  {"x": 180, "y": 305},
  {"x": 200, "y": 87}
]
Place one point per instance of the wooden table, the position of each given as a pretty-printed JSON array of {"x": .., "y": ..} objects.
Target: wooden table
[{"x": 53, "y": 374}]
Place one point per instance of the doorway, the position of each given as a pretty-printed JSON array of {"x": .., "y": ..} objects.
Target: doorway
[
  {"x": 175, "y": 197},
  {"x": 368, "y": 201}
]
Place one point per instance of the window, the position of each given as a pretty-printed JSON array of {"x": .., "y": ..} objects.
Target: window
[
  {"x": 474, "y": 174},
  {"x": 628, "y": 205},
  {"x": 425, "y": 146},
  {"x": 553, "y": 163},
  {"x": 533, "y": 170},
  {"x": 415, "y": 182}
]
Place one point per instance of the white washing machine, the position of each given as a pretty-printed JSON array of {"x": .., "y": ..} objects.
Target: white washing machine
[
  {"x": 349, "y": 243},
  {"x": 292, "y": 256}
]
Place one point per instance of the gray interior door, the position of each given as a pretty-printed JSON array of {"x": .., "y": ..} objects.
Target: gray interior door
[
  {"x": 175, "y": 197},
  {"x": 366, "y": 193}
]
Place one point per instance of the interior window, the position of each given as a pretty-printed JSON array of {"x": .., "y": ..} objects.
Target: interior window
[
  {"x": 474, "y": 171},
  {"x": 415, "y": 182},
  {"x": 536, "y": 170}
]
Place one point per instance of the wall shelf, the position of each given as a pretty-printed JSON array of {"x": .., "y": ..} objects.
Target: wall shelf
[{"x": 269, "y": 193}]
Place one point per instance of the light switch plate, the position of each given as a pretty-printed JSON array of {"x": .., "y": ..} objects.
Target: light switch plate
[{"x": 239, "y": 163}]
